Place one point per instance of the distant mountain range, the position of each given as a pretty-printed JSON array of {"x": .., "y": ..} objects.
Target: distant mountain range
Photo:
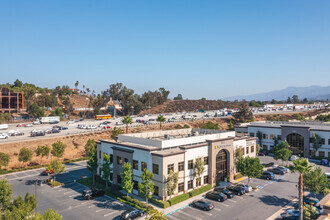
[{"x": 311, "y": 93}]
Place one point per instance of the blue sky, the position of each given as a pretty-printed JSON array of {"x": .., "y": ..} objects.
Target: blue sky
[{"x": 209, "y": 49}]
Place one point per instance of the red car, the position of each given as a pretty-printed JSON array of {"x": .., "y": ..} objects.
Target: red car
[
  {"x": 47, "y": 172},
  {"x": 21, "y": 125},
  {"x": 106, "y": 127}
]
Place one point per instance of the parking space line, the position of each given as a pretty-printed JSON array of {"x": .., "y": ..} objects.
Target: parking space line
[
  {"x": 239, "y": 197},
  {"x": 204, "y": 212},
  {"x": 172, "y": 217},
  {"x": 91, "y": 206},
  {"x": 230, "y": 200},
  {"x": 111, "y": 213},
  {"x": 217, "y": 209},
  {"x": 99, "y": 210},
  {"x": 77, "y": 194},
  {"x": 223, "y": 204},
  {"x": 187, "y": 214}
]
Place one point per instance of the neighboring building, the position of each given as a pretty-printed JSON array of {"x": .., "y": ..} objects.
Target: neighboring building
[
  {"x": 177, "y": 150},
  {"x": 11, "y": 101},
  {"x": 297, "y": 134}
]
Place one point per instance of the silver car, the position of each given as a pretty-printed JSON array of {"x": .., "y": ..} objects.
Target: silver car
[{"x": 246, "y": 187}]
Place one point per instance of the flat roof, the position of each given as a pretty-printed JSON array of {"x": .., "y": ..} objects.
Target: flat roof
[{"x": 306, "y": 124}]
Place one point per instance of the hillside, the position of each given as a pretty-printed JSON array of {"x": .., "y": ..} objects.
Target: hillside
[
  {"x": 189, "y": 106},
  {"x": 311, "y": 92}
]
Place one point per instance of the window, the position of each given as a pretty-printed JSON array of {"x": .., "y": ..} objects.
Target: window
[
  {"x": 265, "y": 147},
  {"x": 198, "y": 181},
  {"x": 323, "y": 141},
  {"x": 155, "y": 168},
  {"x": 181, "y": 166},
  {"x": 328, "y": 141},
  {"x": 180, "y": 187},
  {"x": 156, "y": 190},
  {"x": 135, "y": 165},
  {"x": 111, "y": 158},
  {"x": 279, "y": 137},
  {"x": 111, "y": 176},
  {"x": 169, "y": 168},
  {"x": 190, "y": 164},
  {"x": 252, "y": 149},
  {"x": 119, "y": 160},
  {"x": 100, "y": 154},
  {"x": 251, "y": 134},
  {"x": 247, "y": 150},
  {"x": 272, "y": 137},
  {"x": 265, "y": 136},
  {"x": 190, "y": 184},
  {"x": 206, "y": 179},
  {"x": 126, "y": 160},
  {"x": 100, "y": 171},
  {"x": 271, "y": 147},
  {"x": 206, "y": 160},
  {"x": 135, "y": 184},
  {"x": 321, "y": 153},
  {"x": 143, "y": 165},
  {"x": 118, "y": 179},
  {"x": 328, "y": 154}
]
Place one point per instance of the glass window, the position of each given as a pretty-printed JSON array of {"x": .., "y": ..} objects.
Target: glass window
[
  {"x": 190, "y": 184},
  {"x": 279, "y": 137},
  {"x": 111, "y": 176},
  {"x": 272, "y": 137},
  {"x": 198, "y": 181},
  {"x": 111, "y": 158},
  {"x": 321, "y": 153},
  {"x": 155, "y": 168},
  {"x": 247, "y": 150},
  {"x": 190, "y": 164},
  {"x": 135, "y": 165},
  {"x": 206, "y": 160},
  {"x": 143, "y": 165},
  {"x": 265, "y": 136},
  {"x": 265, "y": 147},
  {"x": 135, "y": 184},
  {"x": 328, "y": 141},
  {"x": 126, "y": 160},
  {"x": 119, "y": 160},
  {"x": 180, "y": 187},
  {"x": 252, "y": 149},
  {"x": 251, "y": 134},
  {"x": 169, "y": 168},
  {"x": 100, "y": 154},
  {"x": 181, "y": 166},
  {"x": 118, "y": 179},
  {"x": 206, "y": 179},
  {"x": 100, "y": 171},
  {"x": 156, "y": 190},
  {"x": 322, "y": 141}
]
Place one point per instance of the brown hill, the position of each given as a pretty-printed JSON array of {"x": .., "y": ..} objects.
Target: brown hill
[{"x": 189, "y": 105}]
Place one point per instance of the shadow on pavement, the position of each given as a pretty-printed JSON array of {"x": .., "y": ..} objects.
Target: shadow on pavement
[{"x": 274, "y": 200}]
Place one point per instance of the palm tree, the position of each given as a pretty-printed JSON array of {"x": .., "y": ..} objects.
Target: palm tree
[
  {"x": 76, "y": 84},
  {"x": 127, "y": 120},
  {"x": 161, "y": 119},
  {"x": 301, "y": 166}
]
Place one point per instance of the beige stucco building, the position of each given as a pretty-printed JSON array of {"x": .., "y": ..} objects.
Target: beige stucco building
[{"x": 177, "y": 150}]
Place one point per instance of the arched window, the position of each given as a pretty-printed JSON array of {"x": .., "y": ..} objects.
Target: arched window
[
  {"x": 221, "y": 165},
  {"x": 296, "y": 143}
]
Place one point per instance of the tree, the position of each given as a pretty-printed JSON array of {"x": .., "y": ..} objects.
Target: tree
[
  {"x": 76, "y": 84},
  {"x": 42, "y": 151},
  {"x": 230, "y": 126},
  {"x": 18, "y": 83},
  {"x": 289, "y": 100},
  {"x": 239, "y": 152},
  {"x": 316, "y": 180},
  {"x": 199, "y": 167},
  {"x": 249, "y": 167},
  {"x": 211, "y": 125},
  {"x": 4, "y": 159},
  {"x": 259, "y": 136},
  {"x": 50, "y": 214},
  {"x": 172, "y": 182},
  {"x": 282, "y": 151},
  {"x": 57, "y": 112},
  {"x": 58, "y": 149},
  {"x": 21, "y": 208},
  {"x": 106, "y": 169},
  {"x": 178, "y": 97},
  {"x": 90, "y": 147},
  {"x": 115, "y": 132},
  {"x": 36, "y": 111},
  {"x": 160, "y": 119},
  {"x": 258, "y": 148},
  {"x": 245, "y": 114},
  {"x": 127, "y": 120},
  {"x": 301, "y": 166},
  {"x": 310, "y": 212},
  {"x": 295, "y": 99},
  {"x": 146, "y": 188},
  {"x": 156, "y": 215},
  {"x": 5, "y": 194},
  {"x": 317, "y": 142},
  {"x": 25, "y": 155},
  {"x": 92, "y": 165},
  {"x": 127, "y": 178},
  {"x": 57, "y": 167}
]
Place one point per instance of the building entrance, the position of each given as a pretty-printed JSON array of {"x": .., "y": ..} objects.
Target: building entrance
[
  {"x": 221, "y": 165},
  {"x": 296, "y": 143}
]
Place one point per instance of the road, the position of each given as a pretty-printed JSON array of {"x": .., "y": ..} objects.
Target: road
[{"x": 73, "y": 129}]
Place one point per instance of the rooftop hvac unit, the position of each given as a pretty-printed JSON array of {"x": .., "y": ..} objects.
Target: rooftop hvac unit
[
  {"x": 195, "y": 133},
  {"x": 167, "y": 136}
]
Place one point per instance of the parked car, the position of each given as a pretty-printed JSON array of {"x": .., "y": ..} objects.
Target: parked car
[
  {"x": 237, "y": 190},
  {"x": 91, "y": 127},
  {"x": 37, "y": 133},
  {"x": 54, "y": 130},
  {"x": 15, "y": 133},
  {"x": 224, "y": 191},
  {"x": 261, "y": 154},
  {"x": 93, "y": 192},
  {"x": 324, "y": 162},
  {"x": 218, "y": 196},
  {"x": 132, "y": 213},
  {"x": 71, "y": 121},
  {"x": 3, "y": 136},
  {"x": 310, "y": 200},
  {"x": 63, "y": 128},
  {"x": 81, "y": 119},
  {"x": 291, "y": 214},
  {"x": 246, "y": 187},
  {"x": 267, "y": 175},
  {"x": 106, "y": 127},
  {"x": 294, "y": 157},
  {"x": 47, "y": 172},
  {"x": 276, "y": 170},
  {"x": 21, "y": 125},
  {"x": 203, "y": 204},
  {"x": 57, "y": 127},
  {"x": 48, "y": 131},
  {"x": 286, "y": 170},
  {"x": 28, "y": 125},
  {"x": 119, "y": 123}
]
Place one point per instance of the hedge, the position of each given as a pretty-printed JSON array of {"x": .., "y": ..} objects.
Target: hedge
[
  {"x": 237, "y": 176},
  {"x": 178, "y": 199},
  {"x": 160, "y": 203},
  {"x": 200, "y": 190}
]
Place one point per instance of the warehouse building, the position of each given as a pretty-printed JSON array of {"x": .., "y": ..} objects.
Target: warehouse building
[
  {"x": 11, "y": 101},
  {"x": 176, "y": 150}
]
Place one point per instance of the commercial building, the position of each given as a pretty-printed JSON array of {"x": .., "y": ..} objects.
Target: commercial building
[
  {"x": 176, "y": 150},
  {"x": 298, "y": 135},
  {"x": 11, "y": 101}
]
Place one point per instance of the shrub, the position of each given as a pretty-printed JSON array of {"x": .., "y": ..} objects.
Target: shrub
[
  {"x": 200, "y": 190},
  {"x": 54, "y": 183},
  {"x": 178, "y": 199},
  {"x": 160, "y": 203},
  {"x": 237, "y": 176}
]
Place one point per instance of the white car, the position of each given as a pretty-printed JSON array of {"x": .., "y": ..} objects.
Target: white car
[
  {"x": 294, "y": 157},
  {"x": 15, "y": 133},
  {"x": 3, "y": 136},
  {"x": 29, "y": 125},
  {"x": 91, "y": 127},
  {"x": 71, "y": 121},
  {"x": 119, "y": 123}
]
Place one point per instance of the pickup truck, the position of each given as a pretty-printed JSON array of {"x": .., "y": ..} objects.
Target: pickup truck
[{"x": 93, "y": 192}]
